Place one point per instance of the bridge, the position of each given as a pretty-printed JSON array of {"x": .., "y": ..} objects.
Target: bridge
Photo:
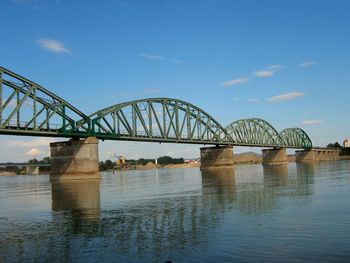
[
  {"x": 26, "y": 108},
  {"x": 25, "y": 164}
]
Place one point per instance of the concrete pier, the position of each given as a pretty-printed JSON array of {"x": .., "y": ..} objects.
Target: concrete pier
[
  {"x": 314, "y": 155},
  {"x": 217, "y": 157},
  {"x": 274, "y": 156},
  {"x": 75, "y": 160}
]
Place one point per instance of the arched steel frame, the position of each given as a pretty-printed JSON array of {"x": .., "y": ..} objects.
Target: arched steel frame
[
  {"x": 157, "y": 119},
  {"x": 29, "y": 109},
  {"x": 296, "y": 138},
  {"x": 254, "y": 132}
]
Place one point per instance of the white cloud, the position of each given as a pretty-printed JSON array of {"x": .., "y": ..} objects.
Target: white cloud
[
  {"x": 264, "y": 73},
  {"x": 307, "y": 64},
  {"x": 269, "y": 71},
  {"x": 33, "y": 152},
  {"x": 157, "y": 57},
  {"x": 237, "y": 99},
  {"x": 152, "y": 91},
  {"x": 311, "y": 122},
  {"x": 149, "y": 56},
  {"x": 52, "y": 45},
  {"x": 286, "y": 96},
  {"x": 39, "y": 5},
  {"x": 34, "y": 143},
  {"x": 276, "y": 67},
  {"x": 235, "y": 81},
  {"x": 253, "y": 100}
]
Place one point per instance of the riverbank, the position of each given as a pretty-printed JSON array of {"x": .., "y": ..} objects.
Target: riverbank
[{"x": 5, "y": 173}]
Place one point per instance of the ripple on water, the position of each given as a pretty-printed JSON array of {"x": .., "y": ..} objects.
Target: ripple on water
[{"x": 296, "y": 212}]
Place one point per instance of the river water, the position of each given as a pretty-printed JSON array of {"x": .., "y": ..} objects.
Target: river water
[{"x": 299, "y": 212}]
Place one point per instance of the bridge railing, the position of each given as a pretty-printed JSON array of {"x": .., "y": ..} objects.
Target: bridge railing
[
  {"x": 25, "y": 125},
  {"x": 26, "y": 108}
]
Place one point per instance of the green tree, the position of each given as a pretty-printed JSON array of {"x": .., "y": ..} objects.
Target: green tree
[
  {"x": 337, "y": 145},
  {"x": 109, "y": 164},
  {"x": 330, "y": 145},
  {"x": 46, "y": 160}
]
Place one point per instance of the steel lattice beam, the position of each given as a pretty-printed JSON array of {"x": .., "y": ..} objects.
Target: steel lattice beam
[
  {"x": 157, "y": 119},
  {"x": 27, "y": 108},
  {"x": 296, "y": 138}
]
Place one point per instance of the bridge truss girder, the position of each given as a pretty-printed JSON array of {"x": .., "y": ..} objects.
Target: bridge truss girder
[
  {"x": 27, "y": 108},
  {"x": 296, "y": 138},
  {"x": 156, "y": 119},
  {"x": 254, "y": 132}
]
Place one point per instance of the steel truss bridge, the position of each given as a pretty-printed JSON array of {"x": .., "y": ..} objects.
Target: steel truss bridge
[{"x": 26, "y": 108}]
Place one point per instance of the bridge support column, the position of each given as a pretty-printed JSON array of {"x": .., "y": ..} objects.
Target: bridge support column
[
  {"x": 74, "y": 159},
  {"x": 305, "y": 156},
  {"x": 313, "y": 155},
  {"x": 216, "y": 157},
  {"x": 274, "y": 156}
]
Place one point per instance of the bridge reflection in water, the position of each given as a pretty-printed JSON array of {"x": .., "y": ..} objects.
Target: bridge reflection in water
[
  {"x": 151, "y": 227},
  {"x": 79, "y": 198},
  {"x": 161, "y": 219}
]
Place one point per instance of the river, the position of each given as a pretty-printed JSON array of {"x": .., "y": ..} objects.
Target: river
[{"x": 297, "y": 212}]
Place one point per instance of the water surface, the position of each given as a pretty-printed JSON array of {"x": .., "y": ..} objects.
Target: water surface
[{"x": 299, "y": 212}]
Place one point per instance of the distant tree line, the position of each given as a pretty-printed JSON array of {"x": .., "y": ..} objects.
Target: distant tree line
[
  {"x": 336, "y": 145},
  {"x": 106, "y": 165},
  {"x": 19, "y": 169},
  {"x": 164, "y": 160}
]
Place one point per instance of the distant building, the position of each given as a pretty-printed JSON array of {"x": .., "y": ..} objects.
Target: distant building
[
  {"x": 193, "y": 160},
  {"x": 346, "y": 143}
]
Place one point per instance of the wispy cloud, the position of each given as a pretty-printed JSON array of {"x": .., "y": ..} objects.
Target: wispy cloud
[
  {"x": 286, "y": 96},
  {"x": 276, "y": 67},
  {"x": 235, "y": 81},
  {"x": 157, "y": 57},
  {"x": 52, "y": 45},
  {"x": 264, "y": 73},
  {"x": 33, "y": 143},
  {"x": 33, "y": 152},
  {"x": 307, "y": 64},
  {"x": 149, "y": 56},
  {"x": 269, "y": 71},
  {"x": 311, "y": 122},
  {"x": 253, "y": 100},
  {"x": 237, "y": 99},
  {"x": 40, "y": 5},
  {"x": 152, "y": 91}
]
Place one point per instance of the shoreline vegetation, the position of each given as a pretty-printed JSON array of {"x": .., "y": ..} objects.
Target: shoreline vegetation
[{"x": 164, "y": 162}]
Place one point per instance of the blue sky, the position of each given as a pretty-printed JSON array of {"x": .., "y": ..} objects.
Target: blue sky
[{"x": 284, "y": 61}]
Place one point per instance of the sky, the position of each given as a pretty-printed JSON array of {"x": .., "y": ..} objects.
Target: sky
[{"x": 283, "y": 61}]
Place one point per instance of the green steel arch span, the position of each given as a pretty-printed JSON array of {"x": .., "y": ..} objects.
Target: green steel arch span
[
  {"x": 296, "y": 138},
  {"x": 254, "y": 132},
  {"x": 26, "y": 108},
  {"x": 156, "y": 119}
]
